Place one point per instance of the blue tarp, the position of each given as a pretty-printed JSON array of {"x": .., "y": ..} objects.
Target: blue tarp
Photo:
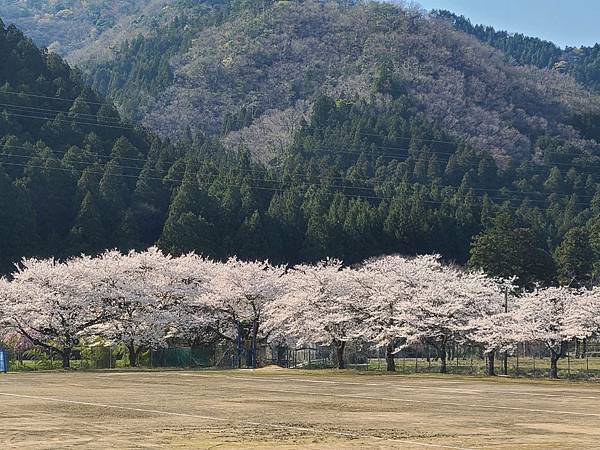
[{"x": 3, "y": 361}]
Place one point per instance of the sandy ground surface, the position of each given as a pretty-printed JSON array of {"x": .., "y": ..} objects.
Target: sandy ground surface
[{"x": 292, "y": 409}]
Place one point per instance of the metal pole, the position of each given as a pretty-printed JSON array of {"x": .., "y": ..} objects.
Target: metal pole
[
  {"x": 471, "y": 354},
  {"x": 456, "y": 354},
  {"x": 428, "y": 359},
  {"x": 506, "y": 311}
]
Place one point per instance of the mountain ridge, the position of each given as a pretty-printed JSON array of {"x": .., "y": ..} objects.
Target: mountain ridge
[
  {"x": 209, "y": 62},
  {"x": 209, "y": 75}
]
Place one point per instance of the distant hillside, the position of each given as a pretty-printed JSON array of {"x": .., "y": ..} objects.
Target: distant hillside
[
  {"x": 583, "y": 63},
  {"x": 67, "y": 26},
  {"x": 252, "y": 70},
  {"x": 226, "y": 69}
]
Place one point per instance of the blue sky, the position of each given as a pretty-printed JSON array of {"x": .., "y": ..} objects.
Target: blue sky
[{"x": 564, "y": 22}]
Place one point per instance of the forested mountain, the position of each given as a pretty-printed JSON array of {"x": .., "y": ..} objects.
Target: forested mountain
[
  {"x": 582, "y": 63},
  {"x": 251, "y": 70},
  {"x": 70, "y": 27},
  {"x": 350, "y": 166}
]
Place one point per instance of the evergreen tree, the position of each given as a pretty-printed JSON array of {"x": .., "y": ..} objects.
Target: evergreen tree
[
  {"x": 87, "y": 235},
  {"x": 506, "y": 250},
  {"x": 574, "y": 258}
]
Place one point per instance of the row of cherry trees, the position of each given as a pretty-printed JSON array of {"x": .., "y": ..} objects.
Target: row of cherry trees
[{"x": 145, "y": 299}]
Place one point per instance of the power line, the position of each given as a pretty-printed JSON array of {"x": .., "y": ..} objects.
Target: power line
[
  {"x": 282, "y": 189},
  {"x": 428, "y": 152},
  {"x": 57, "y": 111},
  {"x": 68, "y": 121},
  {"x": 383, "y": 137},
  {"x": 306, "y": 177},
  {"x": 51, "y": 98},
  {"x": 371, "y": 154}
]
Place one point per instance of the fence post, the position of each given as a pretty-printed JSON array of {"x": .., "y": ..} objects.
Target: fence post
[
  {"x": 587, "y": 365},
  {"x": 456, "y": 354},
  {"x": 471, "y": 356}
]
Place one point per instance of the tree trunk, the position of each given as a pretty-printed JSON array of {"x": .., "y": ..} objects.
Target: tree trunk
[
  {"x": 254, "y": 350},
  {"x": 340, "y": 346},
  {"x": 491, "y": 369},
  {"x": 389, "y": 357},
  {"x": 443, "y": 356},
  {"x": 238, "y": 345},
  {"x": 249, "y": 362},
  {"x": 66, "y": 358},
  {"x": 584, "y": 349},
  {"x": 554, "y": 357},
  {"x": 133, "y": 355}
]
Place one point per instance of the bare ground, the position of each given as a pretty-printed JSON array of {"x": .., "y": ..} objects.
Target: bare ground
[{"x": 292, "y": 409}]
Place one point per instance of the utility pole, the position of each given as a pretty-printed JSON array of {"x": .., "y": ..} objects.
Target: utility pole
[{"x": 505, "y": 362}]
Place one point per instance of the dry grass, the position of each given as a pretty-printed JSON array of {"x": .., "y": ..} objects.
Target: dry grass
[{"x": 291, "y": 409}]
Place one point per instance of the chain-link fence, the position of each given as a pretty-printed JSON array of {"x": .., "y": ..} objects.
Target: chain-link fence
[{"x": 580, "y": 359}]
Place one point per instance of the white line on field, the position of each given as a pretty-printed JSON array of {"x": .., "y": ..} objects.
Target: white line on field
[
  {"x": 366, "y": 397},
  {"x": 395, "y": 386},
  {"x": 432, "y": 402},
  {"x": 242, "y": 422}
]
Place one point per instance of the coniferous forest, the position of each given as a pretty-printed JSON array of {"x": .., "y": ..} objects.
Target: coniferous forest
[{"x": 362, "y": 172}]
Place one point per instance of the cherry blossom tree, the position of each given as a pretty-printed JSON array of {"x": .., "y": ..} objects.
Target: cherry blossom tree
[
  {"x": 239, "y": 295},
  {"x": 583, "y": 314},
  {"x": 447, "y": 302},
  {"x": 495, "y": 330},
  {"x": 583, "y": 317},
  {"x": 142, "y": 299},
  {"x": 495, "y": 333},
  {"x": 322, "y": 305},
  {"x": 389, "y": 283},
  {"x": 55, "y": 305},
  {"x": 189, "y": 287},
  {"x": 139, "y": 289},
  {"x": 542, "y": 316}
]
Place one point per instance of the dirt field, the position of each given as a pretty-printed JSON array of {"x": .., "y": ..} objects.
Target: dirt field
[{"x": 292, "y": 409}]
